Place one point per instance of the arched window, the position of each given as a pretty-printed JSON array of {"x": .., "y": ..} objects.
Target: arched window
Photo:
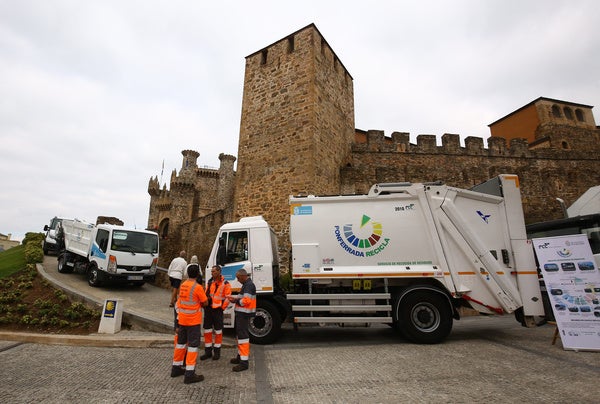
[
  {"x": 568, "y": 112},
  {"x": 163, "y": 229},
  {"x": 564, "y": 145},
  {"x": 579, "y": 115},
  {"x": 555, "y": 111}
]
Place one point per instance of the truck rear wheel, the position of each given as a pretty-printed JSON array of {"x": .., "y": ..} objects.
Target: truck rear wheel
[
  {"x": 94, "y": 277},
  {"x": 424, "y": 317},
  {"x": 63, "y": 268},
  {"x": 265, "y": 326}
]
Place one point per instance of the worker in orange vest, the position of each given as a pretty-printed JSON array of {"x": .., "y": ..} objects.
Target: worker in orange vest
[
  {"x": 245, "y": 309},
  {"x": 189, "y": 316},
  {"x": 218, "y": 289}
]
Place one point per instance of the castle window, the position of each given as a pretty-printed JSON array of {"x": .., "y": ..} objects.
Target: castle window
[
  {"x": 579, "y": 115},
  {"x": 290, "y": 44},
  {"x": 163, "y": 229},
  {"x": 564, "y": 145},
  {"x": 568, "y": 112},
  {"x": 263, "y": 56},
  {"x": 556, "y": 111}
]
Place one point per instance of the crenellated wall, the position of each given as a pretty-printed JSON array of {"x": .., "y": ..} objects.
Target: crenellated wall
[{"x": 545, "y": 173}]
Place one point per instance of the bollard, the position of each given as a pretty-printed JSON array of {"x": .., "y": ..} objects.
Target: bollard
[{"x": 110, "y": 323}]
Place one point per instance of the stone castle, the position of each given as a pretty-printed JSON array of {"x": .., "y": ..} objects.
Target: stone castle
[{"x": 297, "y": 136}]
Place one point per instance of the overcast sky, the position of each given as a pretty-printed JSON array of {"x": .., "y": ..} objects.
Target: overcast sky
[{"x": 95, "y": 95}]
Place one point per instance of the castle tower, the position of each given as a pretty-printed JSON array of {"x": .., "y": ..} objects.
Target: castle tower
[{"x": 297, "y": 126}]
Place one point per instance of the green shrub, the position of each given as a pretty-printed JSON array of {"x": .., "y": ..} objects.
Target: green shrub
[
  {"x": 60, "y": 295},
  {"x": 33, "y": 238},
  {"x": 285, "y": 281},
  {"x": 33, "y": 253}
]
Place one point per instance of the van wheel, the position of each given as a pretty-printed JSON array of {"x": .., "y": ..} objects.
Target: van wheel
[
  {"x": 94, "y": 277},
  {"x": 424, "y": 317},
  {"x": 265, "y": 326}
]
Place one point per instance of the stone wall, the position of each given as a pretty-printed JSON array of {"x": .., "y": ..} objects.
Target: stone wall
[{"x": 544, "y": 173}]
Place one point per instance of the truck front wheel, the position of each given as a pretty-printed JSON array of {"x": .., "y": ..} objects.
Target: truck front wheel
[
  {"x": 265, "y": 326},
  {"x": 94, "y": 277},
  {"x": 424, "y": 317}
]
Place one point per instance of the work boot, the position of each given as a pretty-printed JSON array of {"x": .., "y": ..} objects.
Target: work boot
[
  {"x": 216, "y": 354},
  {"x": 177, "y": 371},
  {"x": 235, "y": 360},
  {"x": 243, "y": 365},
  {"x": 192, "y": 377},
  {"x": 207, "y": 354}
]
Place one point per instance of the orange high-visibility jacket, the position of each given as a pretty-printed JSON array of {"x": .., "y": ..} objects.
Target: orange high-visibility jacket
[
  {"x": 247, "y": 302},
  {"x": 217, "y": 290},
  {"x": 189, "y": 304}
]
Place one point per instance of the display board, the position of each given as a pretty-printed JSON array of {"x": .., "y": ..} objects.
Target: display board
[{"x": 573, "y": 283}]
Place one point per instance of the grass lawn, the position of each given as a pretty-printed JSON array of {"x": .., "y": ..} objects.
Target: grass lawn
[{"x": 11, "y": 261}]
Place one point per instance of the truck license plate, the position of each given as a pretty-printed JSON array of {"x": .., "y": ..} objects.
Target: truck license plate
[{"x": 135, "y": 278}]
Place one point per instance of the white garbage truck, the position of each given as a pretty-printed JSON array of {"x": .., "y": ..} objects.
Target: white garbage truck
[
  {"x": 108, "y": 253},
  {"x": 407, "y": 255}
]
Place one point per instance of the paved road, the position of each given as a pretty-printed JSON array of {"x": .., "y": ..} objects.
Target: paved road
[
  {"x": 485, "y": 360},
  {"x": 148, "y": 305}
]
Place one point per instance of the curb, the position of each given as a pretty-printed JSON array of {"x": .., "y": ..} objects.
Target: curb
[{"x": 92, "y": 340}]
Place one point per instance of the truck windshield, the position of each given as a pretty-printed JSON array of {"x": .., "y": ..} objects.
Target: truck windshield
[{"x": 135, "y": 242}]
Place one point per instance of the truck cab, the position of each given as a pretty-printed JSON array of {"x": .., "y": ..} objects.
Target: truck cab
[
  {"x": 50, "y": 242},
  {"x": 251, "y": 244}
]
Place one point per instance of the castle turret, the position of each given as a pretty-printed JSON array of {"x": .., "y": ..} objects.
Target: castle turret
[{"x": 226, "y": 181}]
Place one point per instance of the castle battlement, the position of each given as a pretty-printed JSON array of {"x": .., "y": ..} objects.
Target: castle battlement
[{"x": 375, "y": 141}]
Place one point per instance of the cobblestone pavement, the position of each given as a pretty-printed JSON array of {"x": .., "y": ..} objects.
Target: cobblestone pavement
[{"x": 485, "y": 360}]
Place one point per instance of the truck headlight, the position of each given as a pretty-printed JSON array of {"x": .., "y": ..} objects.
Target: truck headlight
[
  {"x": 112, "y": 265},
  {"x": 153, "y": 266}
]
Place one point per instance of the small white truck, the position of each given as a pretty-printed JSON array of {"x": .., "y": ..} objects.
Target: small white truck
[
  {"x": 108, "y": 253},
  {"x": 407, "y": 255},
  {"x": 50, "y": 242}
]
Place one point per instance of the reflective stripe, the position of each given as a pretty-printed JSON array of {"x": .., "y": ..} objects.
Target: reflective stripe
[
  {"x": 246, "y": 302},
  {"x": 208, "y": 330},
  {"x": 218, "y": 332},
  {"x": 180, "y": 346},
  {"x": 192, "y": 349},
  {"x": 190, "y": 302},
  {"x": 243, "y": 341},
  {"x": 218, "y": 291}
]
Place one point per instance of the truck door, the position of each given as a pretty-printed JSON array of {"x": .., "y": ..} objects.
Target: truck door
[
  {"x": 99, "y": 248},
  {"x": 235, "y": 255}
]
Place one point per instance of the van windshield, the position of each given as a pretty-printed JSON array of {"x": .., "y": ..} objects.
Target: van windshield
[{"x": 134, "y": 242}]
